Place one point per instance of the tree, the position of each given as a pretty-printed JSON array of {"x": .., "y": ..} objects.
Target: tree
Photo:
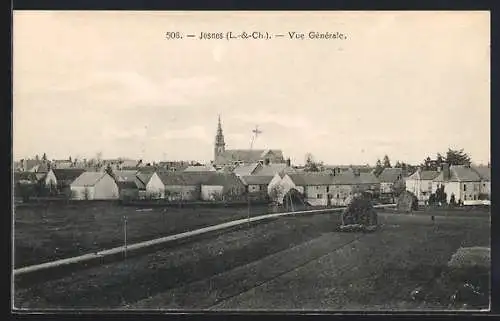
[
  {"x": 109, "y": 171},
  {"x": 387, "y": 162},
  {"x": 37, "y": 158},
  {"x": 311, "y": 165},
  {"x": 457, "y": 157},
  {"x": 439, "y": 159},
  {"x": 398, "y": 165},
  {"x": 378, "y": 168},
  {"x": 452, "y": 199},
  {"x": 276, "y": 193}
]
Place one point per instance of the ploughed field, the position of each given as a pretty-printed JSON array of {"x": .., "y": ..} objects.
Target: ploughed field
[
  {"x": 52, "y": 231},
  {"x": 290, "y": 263}
]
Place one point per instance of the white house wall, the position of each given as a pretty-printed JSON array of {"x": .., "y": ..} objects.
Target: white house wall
[
  {"x": 106, "y": 188},
  {"x": 183, "y": 192},
  {"x": 317, "y": 195},
  {"x": 209, "y": 191},
  {"x": 50, "y": 179},
  {"x": 155, "y": 186},
  {"x": 78, "y": 192}
]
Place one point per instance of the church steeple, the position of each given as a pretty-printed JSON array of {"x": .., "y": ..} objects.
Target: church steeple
[{"x": 219, "y": 141}]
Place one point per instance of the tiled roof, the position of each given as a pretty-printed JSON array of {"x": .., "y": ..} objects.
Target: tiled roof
[
  {"x": 464, "y": 174},
  {"x": 244, "y": 170},
  {"x": 203, "y": 168},
  {"x": 144, "y": 177},
  {"x": 246, "y": 155},
  {"x": 484, "y": 172},
  {"x": 271, "y": 169},
  {"x": 67, "y": 174},
  {"x": 226, "y": 180},
  {"x": 185, "y": 178},
  {"x": 88, "y": 179},
  {"x": 24, "y": 176},
  {"x": 459, "y": 174},
  {"x": 424, "y": 175},
  {"x": 125, "y": 175},
  {"x": 127, "y": 185},
  {"x": 256, "y": 180},
  {"x": 308, "y": 178},
  {"x": 390, "y": 175}
]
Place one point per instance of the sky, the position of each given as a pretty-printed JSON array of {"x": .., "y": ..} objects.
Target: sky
[{"x": 405, "y": 84}]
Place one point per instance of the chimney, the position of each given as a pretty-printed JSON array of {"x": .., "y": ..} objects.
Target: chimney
[{"x": 288, "y": 162}]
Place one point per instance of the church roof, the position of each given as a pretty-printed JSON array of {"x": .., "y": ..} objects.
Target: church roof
[{"x": 246, "y": 155}]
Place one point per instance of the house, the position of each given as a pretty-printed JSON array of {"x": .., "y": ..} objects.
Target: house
[
  {"x": 484, "y": 173},
  {"x": 223, "y": 156},
  {"x": 61, "y": 163},
  {"x": 349, "y": 183},
  {"x": 420, "y": 183},
  {"x": 315, "y": 186},
  {"x": 94, "y": 186},
  {"x": 184, "y": 185},
  {"x": 388, "y": 178},
  {"x": 128, "y": 190},
  {"x": 223, "y": 187},
  {"x": 151, "y": 186},
  {"x": 61, "y": 179},
  {"x": 461, "y": 181},
  {"x": 256, "y": 183},
  {"x": 24, "y": 178},
  {"x": 128, "y": 183},
  {"x": 201, "y": 168}
]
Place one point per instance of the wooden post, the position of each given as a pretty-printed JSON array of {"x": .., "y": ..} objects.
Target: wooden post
[{"x": 125, "y": 236}]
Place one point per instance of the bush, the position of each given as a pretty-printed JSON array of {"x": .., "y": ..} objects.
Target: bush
[
  {"x": 360, "y": 212},
  {"x": 407, "y": 202}
]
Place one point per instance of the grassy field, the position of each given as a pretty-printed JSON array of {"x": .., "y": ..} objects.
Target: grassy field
[
  {"x": 49, "y": 232},
  {"x": 289, "y": 263}
]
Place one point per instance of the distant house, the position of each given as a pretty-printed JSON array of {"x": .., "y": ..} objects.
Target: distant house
[
  {"x": 347, "y": 184},
  {"x": 94, "y": 186},
  {"x": 388, "y": 178},
  {"x": 256, "y": 183},
  {"x": 24, "y": 178},
  {"x": 61, "y": 163},
  {"x": 223, "y": 187},
  {"x": 484, "y": 173},
  {"x": 184, "y": 185},
  {"x": 461, "y": 181},
  {"x": 201, "y": 168},
  {"x": 152, "y": 186},
  {"x": 128, "y": 183},
  {"x": 316, "y": 187},
  {"x": 128, "y": 190},
  {"x": 420, "y": 183},
  {"x": 61, "y": 179}
]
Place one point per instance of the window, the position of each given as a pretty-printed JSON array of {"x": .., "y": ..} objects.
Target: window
[
  {"x": 328, "y": 189},
  {"x": 475, "y": 197},
  {"x": 465, "y": 187},
  {"x": 337, "y": 195},
  {"x": 319, "y": 196}
]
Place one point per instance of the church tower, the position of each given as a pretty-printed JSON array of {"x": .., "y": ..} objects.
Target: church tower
[{"x": 219, "y": 141}]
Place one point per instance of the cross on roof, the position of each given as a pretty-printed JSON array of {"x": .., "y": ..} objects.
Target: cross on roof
[{"x": 256, "y": 131}]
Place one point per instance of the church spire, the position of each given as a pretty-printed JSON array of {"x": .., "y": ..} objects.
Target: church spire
[{"x": 219, "y": 141}]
